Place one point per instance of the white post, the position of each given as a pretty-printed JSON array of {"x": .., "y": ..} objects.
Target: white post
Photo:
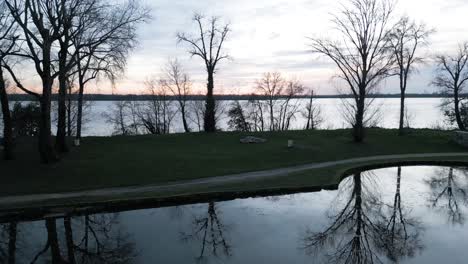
[{"x": 290, "y": 143}]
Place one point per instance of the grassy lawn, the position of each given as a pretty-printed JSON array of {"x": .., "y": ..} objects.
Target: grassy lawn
[{"x": 141, "y": 160}]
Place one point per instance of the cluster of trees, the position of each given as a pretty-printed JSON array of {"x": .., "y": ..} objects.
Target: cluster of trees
[
  {"x": 280, "y": 108},
  {"x": 168, "y": 96},
  {"x": 72, "y": 42},
  {"x": 68, "y": 43},
  {"x": 373, "y": 48}
]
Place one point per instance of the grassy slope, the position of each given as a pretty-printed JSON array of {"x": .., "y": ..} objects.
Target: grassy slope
[{"x": 124, "y": 161}]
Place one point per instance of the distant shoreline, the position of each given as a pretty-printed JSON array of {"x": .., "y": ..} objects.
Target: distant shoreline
[{"x": 132, "y": 97}]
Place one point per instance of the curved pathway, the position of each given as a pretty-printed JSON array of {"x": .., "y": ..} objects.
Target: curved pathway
[{"x": 11, "y": 201}]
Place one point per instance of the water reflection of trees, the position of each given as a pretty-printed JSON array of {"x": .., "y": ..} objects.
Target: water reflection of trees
[
  {"x": 8, "y": 244},
  {"x": 363, "y": 228},
  {"x": 208, "y": 228},
  {"x": 448, "y": 193},
  {"x": 400, "y": 231},
  {"x": 88, "y": 239}
]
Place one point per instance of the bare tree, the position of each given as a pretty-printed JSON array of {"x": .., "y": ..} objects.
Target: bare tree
[
  {"x": 156, "y": 115},
  {"x": 68, "y": 23},
  {"x": 238, "y": 118},
  {"x": 117, "y": 115},
  {"x": 271, "y": 86},
  {"x": 102, "y": 48},
  {"x": 451, "y": 77},
  {"x": 35, "y": 21},
  {"x": 289, "y": 107},
  {"x": 180, "y": 85},
  {"x": 405, "y": 39},
  {"x": 256, "y": 113},
  {"x": 279, "y": 94},
  {"x": 363, "y": 55},
  {"x": 208, "y": 45},
  {"x": 197, "y": 111},
  {"x": 312, "y": 112},
  {"x": 7, "y": 45}
]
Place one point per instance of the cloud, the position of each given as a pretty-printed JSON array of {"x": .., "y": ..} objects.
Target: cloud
[{"x": 271, "y": 35}]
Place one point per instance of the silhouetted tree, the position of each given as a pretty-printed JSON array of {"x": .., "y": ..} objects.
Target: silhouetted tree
[
  {"x": 256, "y": 113},
  {"x": 156, "y": 115},
  {"x": 279, "y": 103},
  {"x": 122, "y": 115},
  {"x": 102, "y": 47},
  {"x": 312, "y": 112},
  {"x": 68, "y": 23},
  {"x": 26, "y": 119},
  {"x": 405, "y": 39},
  {"x": 362, "y": 56},
  {"x": 237, "y": 118},
  {"x": 449, "y": 192},
  {"x": 197, "y": 110},
  {"x": 36, "y": 19},
  {"x": 210, "y": 231},
  {"x": 7, "y": 46},
  {"x": 271, "y": 85},
  {"x": 451, "y": 78},
  {"x": 208, "y": 45},
  {"x": 180, "y": 85}
]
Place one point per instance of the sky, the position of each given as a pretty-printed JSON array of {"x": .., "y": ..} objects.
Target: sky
[{"x": 272, "y": 35}]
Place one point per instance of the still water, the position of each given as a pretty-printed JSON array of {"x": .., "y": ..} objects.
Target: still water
[
  {"x": 422, "y": 113},
  {"x": 394, "y": 215}
]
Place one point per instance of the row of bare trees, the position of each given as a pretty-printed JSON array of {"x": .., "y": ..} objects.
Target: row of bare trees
[
  {"x": 274, "y": 106},
  {"x": 64, "y": 40}
]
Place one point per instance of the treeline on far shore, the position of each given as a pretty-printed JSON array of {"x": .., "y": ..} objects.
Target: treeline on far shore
[{"x": 226, "y": 97}]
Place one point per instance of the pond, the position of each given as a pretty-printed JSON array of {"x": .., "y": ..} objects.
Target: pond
[{"x": 393, "y": 215}]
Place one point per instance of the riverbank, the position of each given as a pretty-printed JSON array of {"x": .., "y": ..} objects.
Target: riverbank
[{"x": 154, "y": 160}]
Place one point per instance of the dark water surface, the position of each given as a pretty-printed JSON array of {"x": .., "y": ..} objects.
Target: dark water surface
[{"x": 395, "y": 215}]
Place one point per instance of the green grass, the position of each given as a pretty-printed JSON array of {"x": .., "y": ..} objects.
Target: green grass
[{"x": 141, "y": 160}]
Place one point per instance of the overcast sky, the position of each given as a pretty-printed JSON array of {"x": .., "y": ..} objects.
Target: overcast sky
[{"x": 271, "y": 35}]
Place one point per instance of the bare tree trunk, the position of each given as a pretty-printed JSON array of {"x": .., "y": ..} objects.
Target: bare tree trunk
[
  {"x": 69, "y": 112},
  {"x": 46, "y": 148},
  {"x": 210, "y": 119},
  {"x": 272, "y": 118},
  {"x": 7, "y": 122},
  {"x": 80, "y": 110},
  {"x": 53, "y": 241},
  {"x": 358, "y": 129},
  {"x": 403, "y": 83},
  {"x": 460, "y": 124},
  {"x": 12, "y": 231},
  {"x": 61, "y": 143},
  {"x": 402, "y": 114},
  {"x": 69, "y": 238},
  {"x": 184, "y": 118}
]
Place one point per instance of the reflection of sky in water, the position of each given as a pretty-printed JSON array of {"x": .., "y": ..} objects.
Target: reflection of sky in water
[{"x": 273, "y": 229}]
